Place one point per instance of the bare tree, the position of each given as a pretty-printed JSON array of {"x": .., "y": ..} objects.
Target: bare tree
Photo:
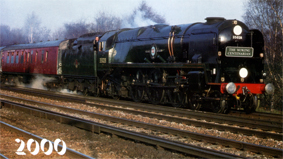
[
  {"x": 76, "y": 29},
  {"x": 105, "y": 22},
  {"x": 4, "y": 35},
  {"x": 10, "y": 36},
  {"x": 31, "y": 32},
  {"x": 18, "y": 37},
  {"x": 267, "y": 16},
  {"x": 31, "y": 27},
  {"x": 58, "y": 34},
  {"x": 44, "y": 34}
]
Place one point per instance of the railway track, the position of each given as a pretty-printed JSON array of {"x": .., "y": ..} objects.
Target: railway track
[
  {"x": 75, "y": 98},
  {"x": 98, "y": 128},
  {"x": 275, "y": 119},
  {"x": 271, "y": 128},
  {"x": 43, "y": 93},
  {"x": 266, "y": 125},
  {"x": 10, "y": 131},
  {"x": 174, "y": 132}
]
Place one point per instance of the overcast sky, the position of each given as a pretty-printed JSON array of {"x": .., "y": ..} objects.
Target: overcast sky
[{"x": 54, "y": 13}]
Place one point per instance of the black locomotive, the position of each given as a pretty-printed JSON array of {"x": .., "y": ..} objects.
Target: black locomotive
[{"x": 216, "y": 65}]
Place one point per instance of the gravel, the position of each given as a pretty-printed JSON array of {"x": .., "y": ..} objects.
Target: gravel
[{"x": 213, "y": 132}]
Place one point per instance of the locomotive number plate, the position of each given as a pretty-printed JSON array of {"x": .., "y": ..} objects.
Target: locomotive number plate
[
  {"x": 102, "y": 60},
  {"x": 239, "y": 51}
]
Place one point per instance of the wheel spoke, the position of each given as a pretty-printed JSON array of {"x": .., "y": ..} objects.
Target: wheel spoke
[
  {"x": 176, "y": 99},
  {"x": 85, "y": 92},
  {"x": 250, "y": 104},
  {"x": 155, "y": 95},
  {"x": 218, "y": 106},
  {"x": 137, "y": 93},
  {"x": 193, "y": 102}
]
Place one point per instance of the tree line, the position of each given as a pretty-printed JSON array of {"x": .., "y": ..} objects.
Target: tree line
[
  {"x": 267, "y": 16},
  {"x": 33, "y": 31}
]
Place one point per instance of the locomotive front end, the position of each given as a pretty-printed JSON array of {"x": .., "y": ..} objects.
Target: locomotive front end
[{"x": 241, "y": 56}]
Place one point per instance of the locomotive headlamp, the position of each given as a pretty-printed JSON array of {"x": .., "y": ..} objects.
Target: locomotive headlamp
[
  {"x": 261, "y": 80},
  {"x": 243, "y": 72},
  {"x": 222, "y": 38},
  {"x": 269, "y": 88},
  {"x": 237, "y": 30},
  {"x": 261, "y": 55},
  {"x": 231, "y": 88},
  {"x": 264, "y": 74},
  {"x": 214, "y": 71}
]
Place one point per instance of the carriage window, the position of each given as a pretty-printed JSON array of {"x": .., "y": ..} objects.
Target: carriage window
[
  {"x": 25, "y": 57},
  {"x": 12, "y": 57},
  {"x": 31, "y": 56},
  {"x": 17, "y": 57},
  {"x": 35, "y": 60},
  {"x": 8, "y": 57},
  {"x": 42, "y": 56},
  {"x": 22, "y": 57},
  {"x": 46, "y": 56},
  {"x": 2, "y": 58},
  {"x": 28, "y": 57}
]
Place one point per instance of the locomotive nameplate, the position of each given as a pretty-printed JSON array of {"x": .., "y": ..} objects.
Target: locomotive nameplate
[{"x": 239, "y": 51}]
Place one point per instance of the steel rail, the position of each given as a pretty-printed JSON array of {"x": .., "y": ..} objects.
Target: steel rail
[
  {"x": 199, "y": 115},
  {"x": 259, "y": 116},
  {"x": 269, "y": 115},
  {"x": 261, "y": 134},
  {"x": 44, "y": 93},
  {"x": 98, "y": 128},
  {"x": 208, "y": 138},
  {"x": 208, "y": 116},
  {"x": 69, "y": 152},
  {"x": 2, "y": 156}
]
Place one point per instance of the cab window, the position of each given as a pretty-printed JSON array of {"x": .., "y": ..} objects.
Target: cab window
[{"x": 102, "y": 46}]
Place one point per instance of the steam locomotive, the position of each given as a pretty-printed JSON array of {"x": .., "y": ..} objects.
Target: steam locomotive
[{"x": 216, "y": 65}]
